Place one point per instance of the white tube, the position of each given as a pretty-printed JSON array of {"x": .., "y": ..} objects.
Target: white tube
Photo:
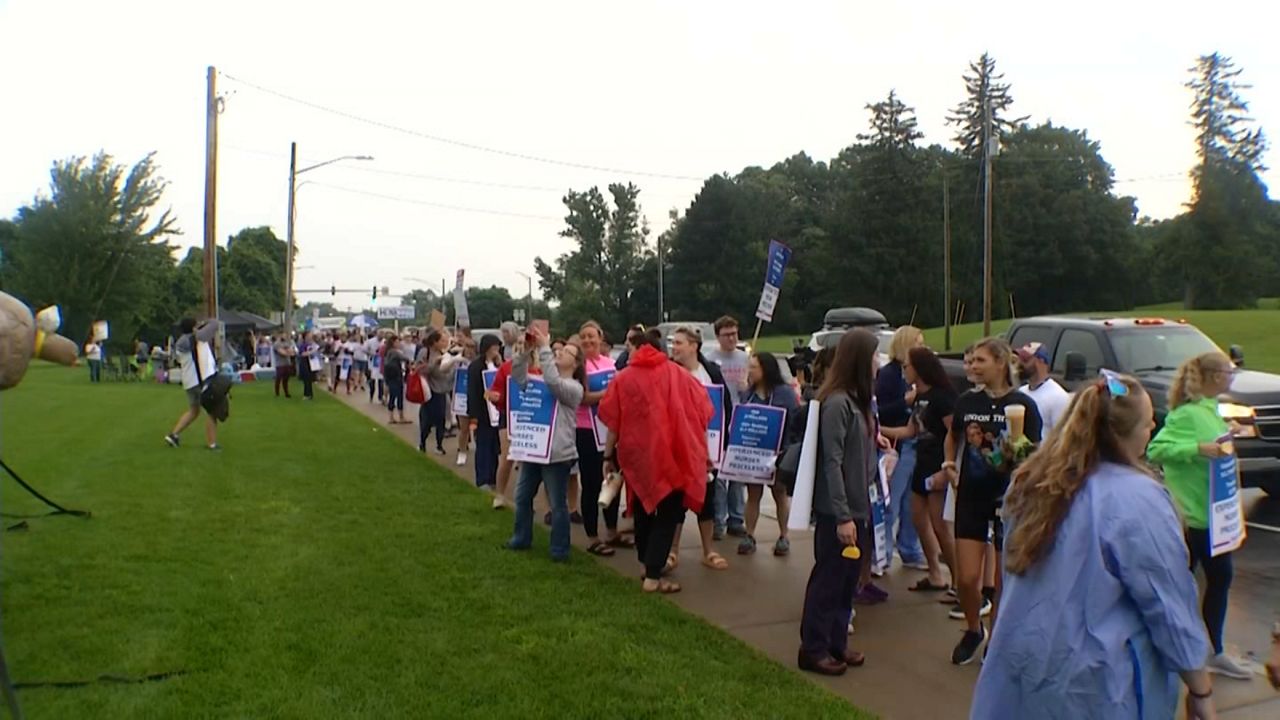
[{"x": 802, "y": 497}]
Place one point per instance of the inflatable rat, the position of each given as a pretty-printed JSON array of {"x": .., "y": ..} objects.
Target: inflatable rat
[{"x": 24, "y": 336}]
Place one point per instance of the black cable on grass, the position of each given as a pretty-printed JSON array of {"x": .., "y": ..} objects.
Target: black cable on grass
[
  {"x": 105, "y": 679},
  {"x": 57, "y": 509}
]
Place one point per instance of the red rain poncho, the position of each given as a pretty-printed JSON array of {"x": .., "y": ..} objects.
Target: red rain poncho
[{"x": 660, "y": 413}]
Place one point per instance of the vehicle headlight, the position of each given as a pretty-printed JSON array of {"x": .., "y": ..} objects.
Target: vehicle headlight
[{"x": 1232, "y": 411}]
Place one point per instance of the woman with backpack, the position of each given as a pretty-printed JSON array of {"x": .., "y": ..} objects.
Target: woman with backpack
[{"x": 766, "y": 387}]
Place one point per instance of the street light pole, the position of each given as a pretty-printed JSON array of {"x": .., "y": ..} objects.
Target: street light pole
[
  {"x": 529, "y": 297},
  {"x": 294, "y": 172}
]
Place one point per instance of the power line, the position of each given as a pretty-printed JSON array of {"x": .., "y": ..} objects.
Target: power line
[
  {"x": 442, "y": 206},
  {"x": 454, "y": 142}
]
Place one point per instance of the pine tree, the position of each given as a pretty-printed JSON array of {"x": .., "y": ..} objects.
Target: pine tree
[
  {"x": 983, "y": 86},
  {"x": 893, "y": 124}
]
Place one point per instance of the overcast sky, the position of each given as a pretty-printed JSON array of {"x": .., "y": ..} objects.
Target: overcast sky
[{"x": 683, "y": 89}]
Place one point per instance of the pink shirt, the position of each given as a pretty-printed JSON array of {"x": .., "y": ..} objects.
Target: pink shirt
[{"x": 599, "y": 364}]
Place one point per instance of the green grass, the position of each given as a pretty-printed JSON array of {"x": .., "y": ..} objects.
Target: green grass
[
  {"x": 317, "y": 567},
  {"x": 1253, "y": 330}
]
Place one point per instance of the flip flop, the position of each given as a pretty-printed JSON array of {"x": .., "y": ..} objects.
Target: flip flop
[
  {"x": 664, "y": 587},
  {"x": 715, "y": 561},
  {"x": 923, "y": 585},
  {"x": 673, "y": 562},
  {"x": 621, "y": 541},
  {"x": 601, "y": 549}
]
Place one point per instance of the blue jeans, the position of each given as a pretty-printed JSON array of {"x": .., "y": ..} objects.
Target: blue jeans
[
  {"x": 730, "y": 503},
  {"x": 95, "y": 371},
  {"x": 899, "y": 509},
  {"x": 556, "y": 477}
]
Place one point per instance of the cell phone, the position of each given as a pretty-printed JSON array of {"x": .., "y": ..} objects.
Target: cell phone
[{"x": 530, "y": 338}]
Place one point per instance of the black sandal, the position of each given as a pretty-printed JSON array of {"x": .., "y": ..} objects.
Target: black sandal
[
  {"x": 923, "y": 585},
  {"x": 601, "y": 549},
  {"x": 620, "y": 541}
]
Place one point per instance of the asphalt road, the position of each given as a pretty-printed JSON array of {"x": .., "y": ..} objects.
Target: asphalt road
[{"x": 1255, "y": 591}]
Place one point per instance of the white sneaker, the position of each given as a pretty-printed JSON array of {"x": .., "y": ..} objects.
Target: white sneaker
[
  {"x": 1228, "y": 666},
  {"x": 877, "y": 571},
  {"x": 850, "y": 628},
  {"x": 462, "y": 459},
  {"x": 499, "y": 502}
]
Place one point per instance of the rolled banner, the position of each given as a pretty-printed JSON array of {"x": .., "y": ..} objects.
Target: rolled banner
[{"x": 802, "y": 496}]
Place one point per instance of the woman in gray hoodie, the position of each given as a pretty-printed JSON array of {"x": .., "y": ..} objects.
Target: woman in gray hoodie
[
  {"x": 841, "y": 502},
  {"x": 565, "y": 377}
]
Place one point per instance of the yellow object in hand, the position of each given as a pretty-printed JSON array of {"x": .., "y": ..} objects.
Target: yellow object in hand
[{"x": 851, "y": 551}]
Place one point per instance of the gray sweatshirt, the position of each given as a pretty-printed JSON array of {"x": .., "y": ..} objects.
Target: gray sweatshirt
[
  {"x": 846, "y": 461},
  {"x": 567, "y": 392}
]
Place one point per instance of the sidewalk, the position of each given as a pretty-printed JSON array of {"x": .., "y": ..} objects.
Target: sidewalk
[{"x": 759, "y": 599}]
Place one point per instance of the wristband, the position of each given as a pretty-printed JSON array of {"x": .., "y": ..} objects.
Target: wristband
[
  {"x": 1197, "y": 695},
  {"x": 949, "y": 465}
]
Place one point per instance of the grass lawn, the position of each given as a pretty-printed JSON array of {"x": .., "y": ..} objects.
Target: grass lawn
[
  {"x": 1254, "y": 330},
  {"x": 317, "y": 567}
]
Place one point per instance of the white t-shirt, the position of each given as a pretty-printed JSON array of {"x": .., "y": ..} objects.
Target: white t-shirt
[
  {"x": 208, "y": 366},
  {"x": 370, "y": 349},
  {"x": 733, "y": 365},
  {"x": 701, "y": 373},
  {"x": 1051, "y": 400},
  {"x": 92, "y": 351}
]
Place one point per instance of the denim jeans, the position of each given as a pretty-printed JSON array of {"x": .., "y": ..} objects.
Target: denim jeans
[
  {"x": 556, "y": 477},
  {"x": 899, "y": 510},
  {"x": 730, "y": 503}
]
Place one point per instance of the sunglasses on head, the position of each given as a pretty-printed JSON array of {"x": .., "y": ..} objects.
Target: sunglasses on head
[{"x": 1112, "y": 383}]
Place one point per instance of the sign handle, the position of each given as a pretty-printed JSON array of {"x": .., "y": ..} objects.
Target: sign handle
[{"x": 756, "y": 338}]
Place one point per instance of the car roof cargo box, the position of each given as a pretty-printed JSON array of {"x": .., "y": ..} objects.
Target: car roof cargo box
[{"x": 851, "y": 317}]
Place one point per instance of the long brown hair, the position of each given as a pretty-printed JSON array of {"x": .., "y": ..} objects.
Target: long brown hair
[
  {"x": 851, "y": 371},
  {"x": 999, "y": 351},
  {"x": 1043, "y": 487},
  {"x": 1188, "y": 383}
]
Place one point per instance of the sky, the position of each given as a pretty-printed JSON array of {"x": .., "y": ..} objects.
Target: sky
[{"x": 660, "y": 93}]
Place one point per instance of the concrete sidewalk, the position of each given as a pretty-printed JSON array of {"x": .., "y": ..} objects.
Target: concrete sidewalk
[{"x": 759, "y": 598}]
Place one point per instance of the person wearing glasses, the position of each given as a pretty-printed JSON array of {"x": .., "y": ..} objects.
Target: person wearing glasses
[
  {"x": 1098, "y": 612},
  {"x": 730, "y": 503},
  {"x": 1190, "y": 439}
]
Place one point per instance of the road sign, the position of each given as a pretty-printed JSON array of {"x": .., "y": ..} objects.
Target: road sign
[{"x": 396, "y": 312}]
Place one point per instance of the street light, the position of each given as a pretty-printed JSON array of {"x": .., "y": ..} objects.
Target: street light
[
  {"x": 529, "y": 299},
  {"x": 294, "y": 172}
]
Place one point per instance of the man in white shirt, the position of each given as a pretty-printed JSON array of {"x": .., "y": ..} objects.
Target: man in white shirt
[
  {"x": 195, "y": 346},
  {"x": 731, "y": 498},
  {"x": 1051, "y": 399}
]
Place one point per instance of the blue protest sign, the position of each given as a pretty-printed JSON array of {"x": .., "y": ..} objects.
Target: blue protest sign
[
  {"x": 489, "y": 376},
  {"x": 460, "y": 391},
  {"x": 1226, "y": 517},
  {"x": 531, "y": 416},
  {"x": 715, "y": 428},
  {"x": 755, "y": 439},
  {"x": 598, "y": 382},
  {"x": 779, "y": 256}
]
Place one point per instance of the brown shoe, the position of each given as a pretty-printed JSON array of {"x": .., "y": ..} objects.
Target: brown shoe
[
  {"x": 853, "y": 658},
  {"x": 822, "y": 666}
]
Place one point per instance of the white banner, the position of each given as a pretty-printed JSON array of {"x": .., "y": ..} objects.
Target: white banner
[{"x": 396, "y": 312}]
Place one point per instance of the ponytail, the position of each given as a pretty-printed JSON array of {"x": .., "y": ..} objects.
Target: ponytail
[{"x": 1188, "y": 383}]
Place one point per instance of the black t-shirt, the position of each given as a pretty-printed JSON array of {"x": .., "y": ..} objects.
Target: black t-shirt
[
  {"x": 978, "y": 422},
  {"x": 931, "y": 432}
]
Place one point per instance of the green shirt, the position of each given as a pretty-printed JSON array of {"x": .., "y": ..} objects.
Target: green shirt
[{"x": 1176, "y": 448}]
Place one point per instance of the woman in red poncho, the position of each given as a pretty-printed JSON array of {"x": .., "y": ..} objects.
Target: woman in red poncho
[{"x": 657, "y": 414}]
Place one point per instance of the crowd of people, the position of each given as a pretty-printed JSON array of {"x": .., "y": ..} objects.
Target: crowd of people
[{"x": 1053, "y": 525}]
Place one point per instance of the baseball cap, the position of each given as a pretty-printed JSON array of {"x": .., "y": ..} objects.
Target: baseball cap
[{"x": 1033, "y": 350}]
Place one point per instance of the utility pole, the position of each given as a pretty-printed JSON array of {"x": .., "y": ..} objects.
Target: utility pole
[
  {"x": 987, "y": 141},
  {"x": 210, "y": 195},
  {"x": 661, "y": 301},
  {"x": 946, "y": 259},
  {"x": 288, "y": 267}
]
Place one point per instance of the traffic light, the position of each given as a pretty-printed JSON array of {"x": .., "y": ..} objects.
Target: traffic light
[
  {"x": 333, "y": 289},
  {"x": 375, "y": 292}
]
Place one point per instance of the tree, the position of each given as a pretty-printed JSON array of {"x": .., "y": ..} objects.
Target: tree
[
  {"x": 893, "y": 125},
  {"x": 984, "y": 88},
  {"x": 91, "y": 246},
  {"x": 597, "y": 278},
  {"x": 252, "y": 276}
]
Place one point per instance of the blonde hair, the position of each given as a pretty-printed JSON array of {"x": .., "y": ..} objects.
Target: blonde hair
[
  {"x": 904, "y": 338},
  {"x": 1188, "y": 383},
  {"x": 1043, "y": 487},
  {"x": 1000, "y": 351}
]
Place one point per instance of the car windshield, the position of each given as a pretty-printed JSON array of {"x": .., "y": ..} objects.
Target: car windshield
[{"x": 1159, "y": 348}]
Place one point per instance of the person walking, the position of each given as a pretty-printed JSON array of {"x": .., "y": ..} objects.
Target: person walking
[
  {"x": 1192, "y": 436},
  {"x": 590, "y": 455},
  {"x": 981, "y": 426},
  {"x": 730, "y": 505},
  {"x": 686, "y": 351},
  {"x": 657, "y": 416},
  {"x": 435, "y": 365},
  {"x": 1051, "y": 399},
  {"x": 195, "y": 356},
  {"x": 393, "y": 369},
  {"x": 841, "y": 504},
  {"x": 894, "y": 399},
  {"x": 373, "y": 349},
  {"x": 283, "y": 352},
  {"x": 484, "y": 428},
  {"x": 309, "y": 359},
  {"x": 931, "y": 415},
  {"x": 1098, "y": 611},
  {"x": 766, "y": 387},
  {"x": 566, "y": 381}
]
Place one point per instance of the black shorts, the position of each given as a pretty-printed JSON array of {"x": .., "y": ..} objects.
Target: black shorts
[
  {"x": 979, "y": 521},
  {"x": 918, "y": 481},
  {"x": 708, "y": 512}
]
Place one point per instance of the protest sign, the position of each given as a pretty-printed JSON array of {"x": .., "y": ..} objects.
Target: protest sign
[
  {"x": 531, "y": 418},
  {"x": 460, "y": 391},
  {"x": 779, "y": 256},
  {"x": 755, "y": 438},
  {"x": 437, "y": 319},
  {"x": 715, "y": 428},
  {"x": 396, "y": 312},
  {"x": 597, "y": 382},
  {"x": 462, "y": 318},
  {"x": 879, "y": 531},
  {"x": 1226, "y": 516},
  {"x": 489, "y": 376}
]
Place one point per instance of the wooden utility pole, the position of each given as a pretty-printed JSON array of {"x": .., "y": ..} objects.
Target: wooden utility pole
[
  {"x": 288, "y": 263},
  {"x": 210, "y": 196},
  {"x": 946, "y": 259},
  {"x": 986, "y": 214}
]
